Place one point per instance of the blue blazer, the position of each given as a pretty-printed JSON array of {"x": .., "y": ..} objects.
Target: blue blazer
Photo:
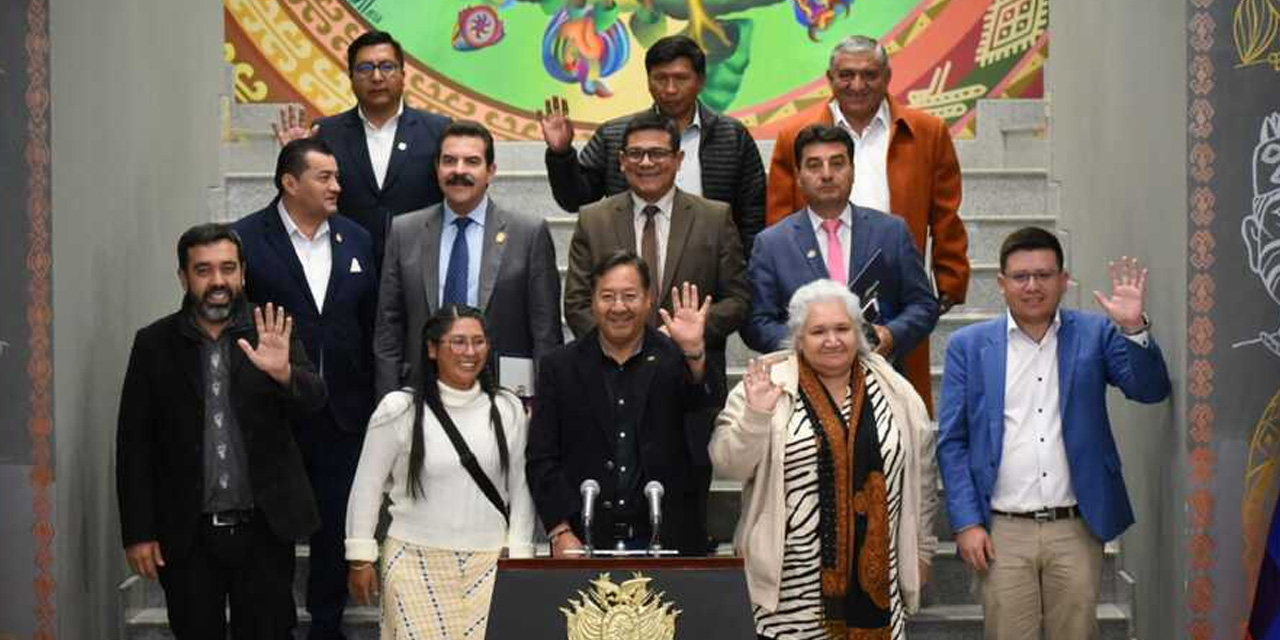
[
  {"x": 410, "y": 182},
  {"x": 786, "y": 257},
  {"x": 1091, "y": 355},
  {"x": 339, "y": 339}
]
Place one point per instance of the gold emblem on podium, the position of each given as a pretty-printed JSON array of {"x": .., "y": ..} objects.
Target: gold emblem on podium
[{"x": 627, "y": 611}]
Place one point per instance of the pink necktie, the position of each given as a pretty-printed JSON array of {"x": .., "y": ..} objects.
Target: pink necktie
[{"x": 835, "y": 252}]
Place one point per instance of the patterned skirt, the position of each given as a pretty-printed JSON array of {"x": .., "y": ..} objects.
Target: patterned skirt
[{"x": 432, "y": 594}]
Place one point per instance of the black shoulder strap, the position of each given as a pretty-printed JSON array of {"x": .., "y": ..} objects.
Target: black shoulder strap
[{"x": 469, "y": 463}]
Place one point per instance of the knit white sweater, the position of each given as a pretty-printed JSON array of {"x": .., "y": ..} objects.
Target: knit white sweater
[{"x": 452, "y": 513}]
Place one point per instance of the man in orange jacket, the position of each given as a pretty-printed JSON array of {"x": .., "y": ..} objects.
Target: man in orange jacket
[{"x": 905, "y": 164}]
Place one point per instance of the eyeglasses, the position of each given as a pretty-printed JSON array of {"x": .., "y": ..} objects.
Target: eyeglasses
[
  {"x": 458, "y": 344},
  {"x": 365, "y": 69},
  {"x": 1025, "y": 278},
  {"x": 656, "y": 154},
  {"x": 628, "y": 299}
]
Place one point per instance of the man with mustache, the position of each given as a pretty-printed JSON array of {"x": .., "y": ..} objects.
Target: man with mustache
[
  {"x": 303, "y": 256},
  {"x": 467, "y": 250},
  {"x": 211, "y": 484}
]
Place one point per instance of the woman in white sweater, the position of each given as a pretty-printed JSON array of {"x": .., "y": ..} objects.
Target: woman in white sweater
[{"x": 449, "y": 523}]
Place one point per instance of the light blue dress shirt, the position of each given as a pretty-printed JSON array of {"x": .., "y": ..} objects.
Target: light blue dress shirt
[{"x": 475, "y": 247}]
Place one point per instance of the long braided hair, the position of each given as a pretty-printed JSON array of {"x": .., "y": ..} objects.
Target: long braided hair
[{"x": 428, "y": 390}]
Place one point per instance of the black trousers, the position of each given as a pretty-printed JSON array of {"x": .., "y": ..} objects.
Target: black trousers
[
  {"x": 245, "y": 566},
  {"x": 331, "y": 457}
]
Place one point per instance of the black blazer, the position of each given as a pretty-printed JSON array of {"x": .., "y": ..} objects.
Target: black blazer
[
  {"x": 410, "y": 182},
  {"x": 339, "y": 338},
  {"x": 571, "y": 439},
  {"x": 160, "y": 436}
]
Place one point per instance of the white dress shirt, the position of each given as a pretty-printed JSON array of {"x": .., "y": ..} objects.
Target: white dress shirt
[
  {"x": 380, "y": 141},
  {"x": 845, "y": 233},
  {"x": 689, "y": 177},
  {"x": 475, "y": 249},
  {"x": 1034, "y": 471},
  {"x": 871, "y": 157},
  {"x": 661, "y": 222},
  {"x": 315, "y": 254}
]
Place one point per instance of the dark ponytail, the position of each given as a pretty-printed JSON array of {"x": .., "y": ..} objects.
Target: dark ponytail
[{"x": 428, "y": 390}]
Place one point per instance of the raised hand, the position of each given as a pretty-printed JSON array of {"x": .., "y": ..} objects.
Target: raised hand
[
  {"x": 1128, "y": 287},
  {"x": 762, "y": 393},
  {"x": 292, "y": 125},
  {"x": 557, "y": 130},
  {"x": 687, "y": 322},
  {"x": 272, "y": 353}
]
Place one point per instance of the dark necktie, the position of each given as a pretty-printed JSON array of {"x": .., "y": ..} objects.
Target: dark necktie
[
  {"x": 649, "y": 251},
  {"x": 455, "y": 279}
]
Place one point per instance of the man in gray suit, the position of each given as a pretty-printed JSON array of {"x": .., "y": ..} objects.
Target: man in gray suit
[
  {"x": 466, "y": 250},
  {"x": 684, "y": 238}
]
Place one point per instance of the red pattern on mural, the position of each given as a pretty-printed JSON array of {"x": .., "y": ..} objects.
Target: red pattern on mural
[
  {"x": 1201, "y": 548},
  {"x": 1201, "y": 118},
  {"x": 1202, "y": 204},
  {"x": 1201, "y": 419},
  {"x": 1201, "y": 290},
  {"x": 1200, "y": 336}
]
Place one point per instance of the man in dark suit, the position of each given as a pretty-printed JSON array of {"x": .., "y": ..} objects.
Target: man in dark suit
[
  {"x": 211, "y": 485},
  {"x": 468, "y": 250},
  {"x": 386, "y": 150},
  {"x": 1025, "y": 446},
  {"x": 721, "y": 161},
  {"x": 302, "y": 256},
  {"x": 831, "y": 238},
  {"x": 611, "y": 407}
]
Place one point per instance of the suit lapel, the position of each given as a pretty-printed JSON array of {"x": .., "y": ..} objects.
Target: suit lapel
[
  {"x": 1068, "y": 343},
  {"x": 341, "y": 263},
  {"x": 492, "y": 249},
  {"x": 678, "y": 233},
  {"x": 624, "y": 221},
  {"x": 860, "y": 250},
  {"x": 189, "y": 350},
  {"x": 994, "y": 361},
  {"x": 591, "y": 382},
  {"x": 278, "y": 240},
  {"x": 807, "y": 246},
  {"x": 644, "y": 379},
  {"x": 431, "y": 257},
  {"x": 358, "y": 147},
  {"x": 400, "y": 147}
]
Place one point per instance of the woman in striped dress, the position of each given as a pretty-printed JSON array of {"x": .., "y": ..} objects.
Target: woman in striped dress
[
  {"x": 449, "y": 523},
  {"x": 836, "y": 455}
]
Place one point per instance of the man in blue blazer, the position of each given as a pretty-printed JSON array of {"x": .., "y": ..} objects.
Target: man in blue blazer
[
  {"x": 318, "y": 266},
  {"x": 386, "y": 150},
  {"x": 1032, "y": 474},
  {"x": 831, "y": 238}
]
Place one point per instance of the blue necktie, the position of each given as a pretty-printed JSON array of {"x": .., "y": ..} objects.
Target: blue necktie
[{"x": 455, "y": 280}]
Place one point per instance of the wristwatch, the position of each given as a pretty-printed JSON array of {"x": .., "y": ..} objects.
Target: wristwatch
[{"x": 1146, "y": 326}]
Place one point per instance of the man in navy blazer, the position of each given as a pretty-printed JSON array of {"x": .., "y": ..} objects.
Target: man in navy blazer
[
  {"x": 1032, "y": 474},
  {"x": 791, "y": 254},
  {"x": 386, "y": 150},
  {"x": 318, "y": 266}
]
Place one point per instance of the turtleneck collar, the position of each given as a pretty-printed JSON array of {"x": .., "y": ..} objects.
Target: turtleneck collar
[{"x": 459, "y": 397}]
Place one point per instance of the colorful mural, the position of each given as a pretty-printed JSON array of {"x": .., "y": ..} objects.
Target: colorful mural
[{"x": 496, "y": 60}]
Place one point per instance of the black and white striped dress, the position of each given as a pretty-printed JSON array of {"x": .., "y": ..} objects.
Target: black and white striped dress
[{"x": 799, "y": 613}]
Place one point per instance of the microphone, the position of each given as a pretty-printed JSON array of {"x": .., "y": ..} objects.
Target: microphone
[
  {"x": 589, "y": 490},
  {"x": 653, "y": 491}
]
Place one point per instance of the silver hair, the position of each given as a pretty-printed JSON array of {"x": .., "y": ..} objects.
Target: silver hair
[
  {"x": 860, "y": 44},
  {"x": 824, "y": 290}
]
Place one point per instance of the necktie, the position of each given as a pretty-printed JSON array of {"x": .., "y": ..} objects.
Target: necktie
[
  {"x": 835, "y": 251},
  {"x": 455, "y": 279},
  {"x": 649, "y": 251}
]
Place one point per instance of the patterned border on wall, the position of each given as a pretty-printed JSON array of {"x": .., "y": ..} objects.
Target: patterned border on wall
[
  {"x": 1201, "y": 546},
  {"x": 40, "y": 314}
]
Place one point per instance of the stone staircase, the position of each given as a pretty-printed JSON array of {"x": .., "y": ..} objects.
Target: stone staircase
[{"x": 1006, "y": 186}]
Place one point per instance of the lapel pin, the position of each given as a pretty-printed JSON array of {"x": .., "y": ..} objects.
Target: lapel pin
[
  {"x": 501, "y": 237},
  {"x": 812, "y": 254},
  {"x": 402, "y": 146},
  {"x": 650, "y": 358},
  {"x": 338, "y": 238}
]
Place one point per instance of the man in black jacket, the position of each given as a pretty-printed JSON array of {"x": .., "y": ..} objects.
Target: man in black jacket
[
  {"x": 721, "y": 160},
  {"x": 211, "y": 484}
]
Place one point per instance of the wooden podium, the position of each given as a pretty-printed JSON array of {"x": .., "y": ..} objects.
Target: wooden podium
[{"x": 628, "y": 598}]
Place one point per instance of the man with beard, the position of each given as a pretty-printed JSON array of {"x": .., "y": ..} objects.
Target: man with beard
[
  {"x": 212, "y": 488},
  {"x": 467, "y": 250},
  {"x": 386, "y": 150},
  {"x": 611, "y": 407},
  {"x": 303, "y": 256}
]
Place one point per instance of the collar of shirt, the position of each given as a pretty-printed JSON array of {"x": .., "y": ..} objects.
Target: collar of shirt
[
  {"x": 1011, "y": 326},
  {"x": 665, "y": 203},
  {"x": 476, "y": 215},
  {"x": 881, "y": 117},
  {"x": 846, "y": 220},
  {"x": 291, "y": 228},
  {"x": 642, "y": 349},
  {"x": 390, "y": 121}
]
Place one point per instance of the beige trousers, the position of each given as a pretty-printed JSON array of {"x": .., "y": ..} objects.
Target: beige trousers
[{"x": 1045, "y": 574}]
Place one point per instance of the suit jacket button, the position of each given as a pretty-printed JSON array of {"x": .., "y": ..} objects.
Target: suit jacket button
[
  {"x": 608, "y": 504},
  {"x": 608, "y": 464}
]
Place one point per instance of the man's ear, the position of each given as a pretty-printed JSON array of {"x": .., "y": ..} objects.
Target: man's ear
[{"x": 182, "y": 279}]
